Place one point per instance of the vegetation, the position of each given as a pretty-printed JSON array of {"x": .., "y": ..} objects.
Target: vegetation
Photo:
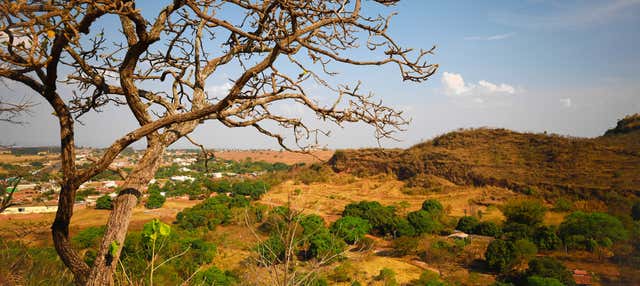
[
  {"x": 351, "y": 229},
  {"x": 104, "y": 203},
  {"x": 588, "y": 230},
  {"x": 155, "y": 200}
]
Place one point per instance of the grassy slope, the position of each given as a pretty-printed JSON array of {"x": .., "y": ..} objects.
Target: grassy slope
[{"x": 552, "y": 164}]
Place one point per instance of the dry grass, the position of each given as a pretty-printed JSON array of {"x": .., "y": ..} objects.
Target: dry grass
[
  {"x": 329, "y": 199},
  {"x": 270, "y": 156},
  {"x": 35, "y": 228}
]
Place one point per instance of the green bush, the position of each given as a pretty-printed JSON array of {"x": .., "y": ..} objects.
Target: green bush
[
  {"x": 215, "y": 276},
  {"x": 467, "y": 224},
  {"x": 424, "y": 221},
  {"x": 488, "y": 228},
  {"x": 528, "y": 212},
  {"x": 405, "y": 245},
  {"x": 387, "y": 276},
  {"x": 383, "y": 219},
  {"x": 210, "y": 213},
  {"x": 433, "y": 206},
  {"x": 549, "y": 267},
  {"x": 581, "y": 228},
  {"x": 546, "y": 238},
  {"x": 351, "y": 229},
  {"x": 104, "y": 203},
  {"x": 499, "y": 255},
  {"x": 155, "y": 200}
]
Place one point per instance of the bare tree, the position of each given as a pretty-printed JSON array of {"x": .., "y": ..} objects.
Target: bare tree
[{"x": 159, "y": 69}]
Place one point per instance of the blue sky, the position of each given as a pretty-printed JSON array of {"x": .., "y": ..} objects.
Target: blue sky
[{"x": 567, "y": 67}]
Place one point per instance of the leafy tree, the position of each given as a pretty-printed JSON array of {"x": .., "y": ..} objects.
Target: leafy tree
[
  {"x": 433, "y": 206},
  {"x": 104, "y": 203},
  {"x": 514, "y": 231},
  {"x": 581, "y": 228},
  {"x": 488, "y": 228},
  {"x": 523, "y": 251},
  {"x": 325, "y": 246},
  {"x": 545, "y": 238},
  {"x": 312, "y": 224},
  {"x": 527, "y": 211},
  {"x": 383, "y": 219},
  {"x": 500, "y": 255},
  {"x": 467, "y": 224},
  {"x": 155, "y": 200},
  {"x": 424, "y": 221},
  {"x": 549, "y": 267},
  {"x": 404, "y": 228},
  {"x": 210, "y": 213},
  {"x": 350, "y": 228}
]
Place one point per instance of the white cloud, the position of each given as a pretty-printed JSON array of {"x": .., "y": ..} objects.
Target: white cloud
[
  {"x": 493, "y": 88},
  {"x": 219, "y": 90},
  {"x": 566, "y": 102},
  {"x": 454, "y": 85},
  {"x": 490, "y": 38}
]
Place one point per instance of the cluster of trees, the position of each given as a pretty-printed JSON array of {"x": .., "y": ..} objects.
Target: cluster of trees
[
  {"x": 203, "y": 187},
  {"x": 524, "y": 234},
  {"x": 210, "y": 213},
  {"x": 159, "y": 252},
  {"x": 385, "y": 221}
]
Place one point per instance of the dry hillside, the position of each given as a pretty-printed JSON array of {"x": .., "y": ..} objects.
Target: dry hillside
[{"x": 605, "y": 168}]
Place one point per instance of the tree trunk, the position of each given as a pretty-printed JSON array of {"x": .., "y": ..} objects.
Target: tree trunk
[{"x": 118, "y": 224}]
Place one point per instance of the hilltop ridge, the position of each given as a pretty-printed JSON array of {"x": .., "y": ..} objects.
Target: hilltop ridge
[{"x": 604, "y": 167}]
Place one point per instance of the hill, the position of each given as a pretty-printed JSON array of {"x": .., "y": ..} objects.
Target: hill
[{"x": 606, "y": 168}]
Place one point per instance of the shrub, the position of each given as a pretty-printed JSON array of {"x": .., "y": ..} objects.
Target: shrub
[
  {"x": 523, "y": 251},
  {"x": 488, "y": 228},
  {"x": 405, "y": 245},
  {"x": 210, "y": 213},
  {"x": 499, "y": 255},
  {"x": 215, "y": 276},
  {"x": 350, "y": 228},
  {"x": 528, "y": 212},
  {"x": 433, "y": 206},
  {"x": 424, "y": 221},
  {"x": 429, "y": 278},
  {"x": 563, "y": 205},
  {"x": 155, "y": 200},
  {"x": 104, "y": 203},
  {"x": 467, "y": 224},
  {"x": 515, "y": 231},
  {"x": 387, "y": 276},
  {"x": 600, "y": 228},
  {"x": 383, "y": 219},
  {"x": 550, "y": 268},
  {"x": 545, "y": 238}
]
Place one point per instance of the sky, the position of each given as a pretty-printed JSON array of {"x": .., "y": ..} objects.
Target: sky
[{"x": 565, "y": 67}]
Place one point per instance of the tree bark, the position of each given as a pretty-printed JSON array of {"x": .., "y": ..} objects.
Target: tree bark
[{"x": 118, "y": 224}]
